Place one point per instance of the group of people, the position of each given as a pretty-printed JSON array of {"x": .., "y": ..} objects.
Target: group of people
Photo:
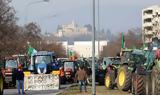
[{"x": 81, "y": 76}]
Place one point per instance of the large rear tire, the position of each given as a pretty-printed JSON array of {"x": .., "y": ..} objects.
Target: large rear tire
[
  {"x": 157, "y": 88},
  {"x": 138, "y": 85},
  {"x": 148, "y": 85},
  {"x": 124, "y": 78},
  {"x": 153, "y": 80},
  {"x": 1, "y": 85}
]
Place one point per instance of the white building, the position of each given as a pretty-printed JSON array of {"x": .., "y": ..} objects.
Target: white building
[
  {"x": 150, "y": 23},
  {"x": 84, "y": 48}
]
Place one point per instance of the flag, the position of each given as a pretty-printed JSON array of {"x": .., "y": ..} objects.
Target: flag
[
  {"x": 123, "y": 42},
  {"x": 31, "y": 50}
]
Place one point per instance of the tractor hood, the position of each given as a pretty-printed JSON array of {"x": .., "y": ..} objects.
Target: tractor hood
[{"x": 41, "y": 68}]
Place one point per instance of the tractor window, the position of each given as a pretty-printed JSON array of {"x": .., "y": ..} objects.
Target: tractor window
[
  {"x": 68, "y": 65},
  {"x": 23, "y": 60},
  {"x": 44, "y": 59},
  {"x": 11, "y": 64}
]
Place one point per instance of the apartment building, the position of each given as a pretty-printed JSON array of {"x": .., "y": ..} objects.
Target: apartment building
[{"x": 150, "y": 23}]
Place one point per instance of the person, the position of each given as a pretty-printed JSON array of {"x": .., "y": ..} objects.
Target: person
[
  {"x": 20, "y": 79},
  {"x": 81, "y": 75}
]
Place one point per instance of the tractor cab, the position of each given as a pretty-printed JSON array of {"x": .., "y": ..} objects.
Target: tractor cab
[
  {"x": 70, "y": 68},
  {"x": 106, "y": 62},
  {"x": 10, "y": 66},
  {"x": 43, "y": 62}
]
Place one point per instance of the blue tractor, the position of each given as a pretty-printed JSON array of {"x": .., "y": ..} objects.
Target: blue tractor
[{"x": 43, "y": 62}]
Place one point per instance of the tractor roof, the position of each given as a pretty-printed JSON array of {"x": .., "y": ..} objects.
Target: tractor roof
[
  {"x": 138, "y": 52},
  {"x": 127, "y": 50},
  {"x": 10, "y": 58},
  {"x": 44, "y": 53}
]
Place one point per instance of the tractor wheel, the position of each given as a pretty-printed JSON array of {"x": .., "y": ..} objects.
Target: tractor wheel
[
  {"x": 138, "y": 84},
  {"x": 124, "y": 78},
  {"x": 153, "y": 80},
  {"x": 89, "y": 80},
  {"x": 148, "y": 86},
  {"x": 1, "y": 85},
  {"x": 157, "y": 88},
  {"x": 108, "y": 81}
]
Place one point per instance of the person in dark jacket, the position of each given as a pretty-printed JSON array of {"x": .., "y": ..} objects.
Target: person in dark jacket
[
  {"x": 81, "y": 75},
  {"x": 20, "y": 79}
]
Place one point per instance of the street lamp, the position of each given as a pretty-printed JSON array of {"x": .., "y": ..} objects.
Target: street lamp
[
  {"x": 98, "y": 37},
  {"x": 93, "y": 52},
  {"x": 31, "y": 3}
]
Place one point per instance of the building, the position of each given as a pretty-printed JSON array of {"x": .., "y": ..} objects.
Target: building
[
  {"x": 71, "y": 30},
  {"x": 84, "y": 48},
  {"x": 150, "y": 23}
]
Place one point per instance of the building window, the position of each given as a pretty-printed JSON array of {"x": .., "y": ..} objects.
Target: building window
[
  {"x": 147, "y": 20},
  {"x": 148, "y": 12},
  {"x": 148, "y": 28}
]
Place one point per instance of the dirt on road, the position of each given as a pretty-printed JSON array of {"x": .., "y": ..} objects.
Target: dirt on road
[{"x": 100, "y": 90}]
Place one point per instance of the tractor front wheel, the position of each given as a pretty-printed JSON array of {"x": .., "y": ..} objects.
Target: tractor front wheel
[
  {"x": 1, "y": 85},
  {"x": 108, "y": 81}
]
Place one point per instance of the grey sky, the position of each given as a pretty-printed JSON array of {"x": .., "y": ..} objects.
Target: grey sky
[{"x": 116, "y": 15}]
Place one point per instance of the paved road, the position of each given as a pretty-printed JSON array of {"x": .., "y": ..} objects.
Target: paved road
[{"x": 48, "y": 92}]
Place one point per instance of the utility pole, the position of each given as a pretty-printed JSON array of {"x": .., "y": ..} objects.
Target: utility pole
[
  {"x": 93, "y": 52},
  {"x": 98, "y": 37}
]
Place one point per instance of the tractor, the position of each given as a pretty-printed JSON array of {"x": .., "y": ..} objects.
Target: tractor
[
  {"x": 112, "y": 65},
  {"x": 131, "y": 60},
  {"x": 148, "y": 73},
  {"x": 70, "y": 68},
  {"x": 43, "y": 62},
  {"x": 123, "y": 79},
  {"x": 10, "y": 65}
]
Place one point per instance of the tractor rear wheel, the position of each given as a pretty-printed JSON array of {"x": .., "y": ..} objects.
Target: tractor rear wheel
[
  {"x": 124, "y": 78},
  {"x": 153, "y": 80},
  {"x": 108, "y": 81},
  {"x": 138, "y": 85},
  {"x": 157, "y": 88},
  {"x": 148, "y": 85},
  {"x": 1, "y": 85}
]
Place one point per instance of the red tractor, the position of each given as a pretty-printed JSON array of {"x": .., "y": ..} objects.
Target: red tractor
[
  {"x": 9, "y": 67},
  {"x": 70, "y": 68}
]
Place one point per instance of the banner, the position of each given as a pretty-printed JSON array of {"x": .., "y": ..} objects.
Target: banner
[{"x": 42, "y": 82}]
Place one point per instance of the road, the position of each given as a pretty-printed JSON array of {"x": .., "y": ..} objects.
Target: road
[
  {"x": 100, "y": 90},
  {"x": 12, "y": 91}
]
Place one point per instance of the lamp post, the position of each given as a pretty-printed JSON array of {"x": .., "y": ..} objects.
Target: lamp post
[
  {"x": 98, "y": 37},
  {"x": 31, "y": 3},
  {"x": 93, "y": 52}
]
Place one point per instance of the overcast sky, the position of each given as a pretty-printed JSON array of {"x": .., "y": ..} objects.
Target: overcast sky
[{"x": 116, "y": 15}]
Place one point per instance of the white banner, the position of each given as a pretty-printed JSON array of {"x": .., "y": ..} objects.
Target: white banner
[{"x": 42, "y": 82}]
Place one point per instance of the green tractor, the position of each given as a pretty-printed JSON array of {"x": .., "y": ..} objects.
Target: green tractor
[
  {"x": 124, "y": 73},
  {"x": 149, "y": 71},
  {"x": 113, "y": 63},
  {"x": 129, "y": 77}
]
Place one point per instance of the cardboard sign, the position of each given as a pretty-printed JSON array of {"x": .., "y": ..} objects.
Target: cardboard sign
[{"x": 42, "y": 82}]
